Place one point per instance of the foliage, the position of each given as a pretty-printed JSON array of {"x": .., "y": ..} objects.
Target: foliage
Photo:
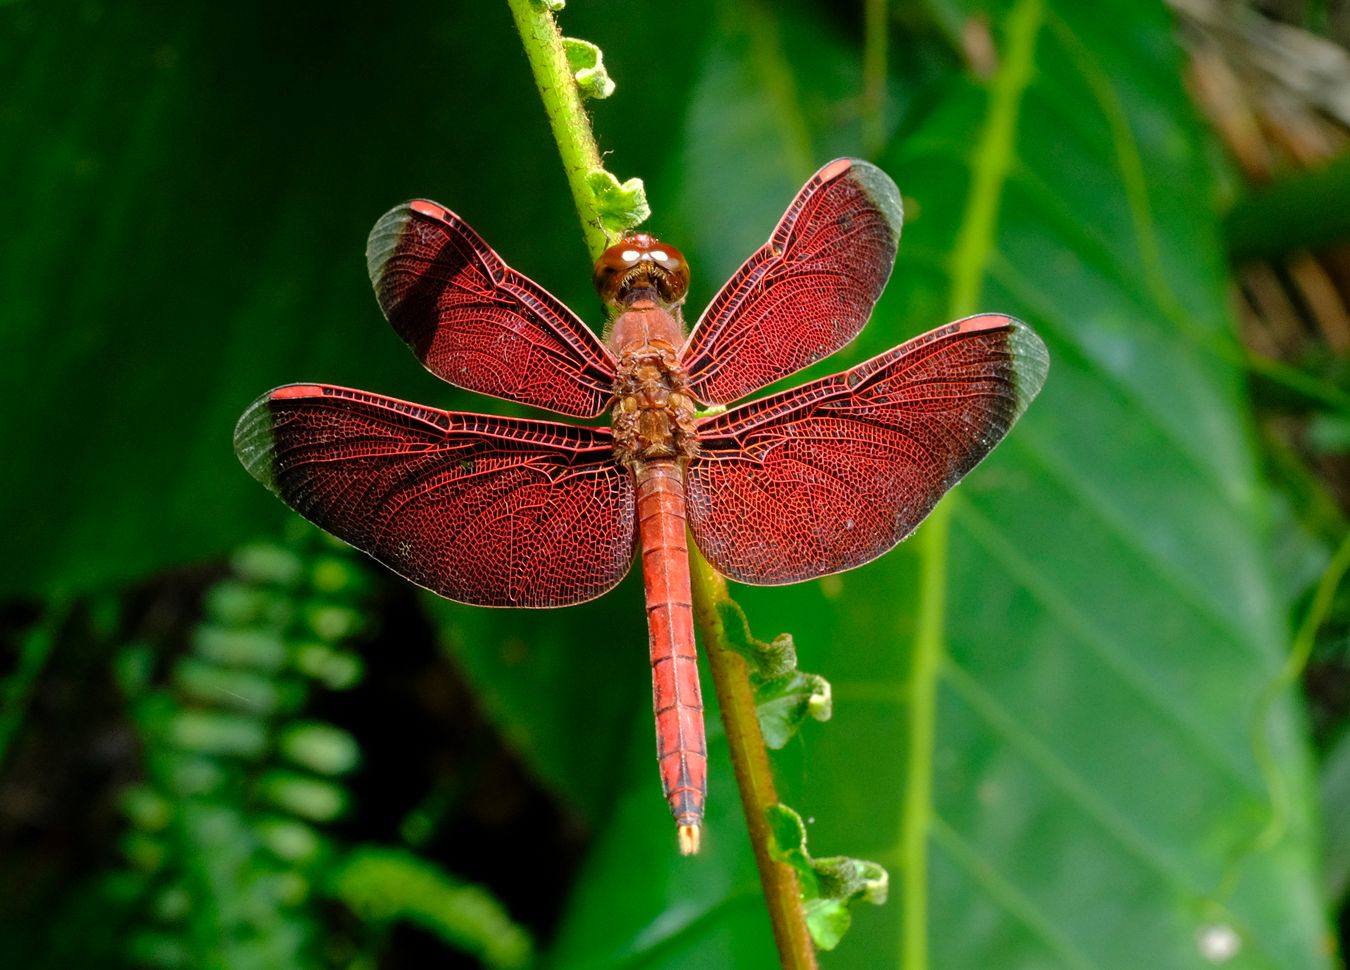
[
  {"x": 382, "y": 885},
  {"x": 1292, "y": 214},
  {"x": 223, "y": 828},
  {"x": 1078, "y": 788},
  {"x": 588, "y": 67},
  {"x": 829, "y": 886},
  {"x": 230, "y": 851},
  {"x": 784, "y": 695}
]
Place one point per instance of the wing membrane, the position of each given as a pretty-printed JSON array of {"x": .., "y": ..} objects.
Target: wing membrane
[
  {"x": 837, "y": 472},
  {"x": 477, "y": 323},
  {"x": 806, "y": 292},
  {"x": 480, "y": 509}
]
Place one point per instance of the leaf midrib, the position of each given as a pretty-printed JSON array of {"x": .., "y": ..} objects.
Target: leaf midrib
[{"x": 991, "y": 162}]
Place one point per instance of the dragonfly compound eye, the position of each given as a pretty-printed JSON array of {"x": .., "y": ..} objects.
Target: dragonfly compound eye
[{"x": 638, "y": 265}]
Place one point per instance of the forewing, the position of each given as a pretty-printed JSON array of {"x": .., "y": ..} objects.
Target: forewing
[
  {"x": 477, "y": 323},
  {"x": 833, "y": 474},
  {"x": 806, "y": 292},
  {"x": 480, "y": 509}
]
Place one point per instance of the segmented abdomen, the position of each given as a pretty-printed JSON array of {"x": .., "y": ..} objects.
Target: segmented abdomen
[{"x": 681, "y": 749}]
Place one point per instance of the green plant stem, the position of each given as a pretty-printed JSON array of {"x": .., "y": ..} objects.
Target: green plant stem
[
  {"x": 917, "y": 812},
  {"x": 542, "y": 41},
  {"x": 1271, "y": 768},
  {"x": 992, "y": 160},
  {"x": 731, "y": 678},
  {"x": 750, "y": 761},
  {"x": 1300, "y": 651},
  {"x": 1287, "y": 377}
]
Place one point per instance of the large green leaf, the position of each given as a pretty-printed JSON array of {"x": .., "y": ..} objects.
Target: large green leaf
[
  {"x": 188, "y": 193},
  {"x": 1078, "y": 786},
  {"x": 190, "y": 189},
  {"x": 186, "y": 228}
]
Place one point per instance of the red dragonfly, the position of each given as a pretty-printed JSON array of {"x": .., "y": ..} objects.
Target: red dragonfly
[{"x": 499, "y": 511}]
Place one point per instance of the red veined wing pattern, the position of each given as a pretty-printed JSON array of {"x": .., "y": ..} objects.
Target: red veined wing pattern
[
  {"x": 832, "y": 474},
  {"x": 501, "y": 511},
  {"x": 806, "y": 292},
  {"x": 480, "y": 509},
  {"x": 479, "y": 324}
]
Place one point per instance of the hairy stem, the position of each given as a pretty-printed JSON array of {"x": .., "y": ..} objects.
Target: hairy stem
[
  {"x": 750, "y": 761},
  {"x": 731, "y": 677},
  {"x": 542, "y": 41}
]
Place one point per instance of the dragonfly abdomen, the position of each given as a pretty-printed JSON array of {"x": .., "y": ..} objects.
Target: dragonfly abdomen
[{"x": 681, "y": 748}]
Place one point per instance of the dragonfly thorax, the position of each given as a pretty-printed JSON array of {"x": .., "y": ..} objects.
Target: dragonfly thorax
[{"x": 653, "y": 412}]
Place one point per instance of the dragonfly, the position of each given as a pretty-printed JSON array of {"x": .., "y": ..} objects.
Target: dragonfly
[{"x": 515, "y": 512}]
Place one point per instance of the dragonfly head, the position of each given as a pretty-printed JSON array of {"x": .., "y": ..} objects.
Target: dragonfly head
[{"x": 639, "y": 266}]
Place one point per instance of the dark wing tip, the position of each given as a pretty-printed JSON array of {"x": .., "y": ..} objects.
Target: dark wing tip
[
  {"x": 255, "y": 434},
  {"x": 254, "y": 440},
  {"x": 384, "y": 239},
  {"x": 1031, "y": 361},
  {"x": 388, "y": 231},
  {"x": 879, "y": 187}
]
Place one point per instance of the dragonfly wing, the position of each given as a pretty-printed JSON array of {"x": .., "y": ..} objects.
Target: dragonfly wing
[
  {"x": 477, "y": 323},
  {"x": 480, "y": 509},
  {"x": 806, "y": 292},
  {"x": 834, "y": 473}
]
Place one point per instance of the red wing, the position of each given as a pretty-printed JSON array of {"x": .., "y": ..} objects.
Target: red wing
[
  {"x": 480, "y": 509},
  {"x": 806, "y": 292},
  {"x": 833, "y": 474},
  {"x": 476, "y": 322}
]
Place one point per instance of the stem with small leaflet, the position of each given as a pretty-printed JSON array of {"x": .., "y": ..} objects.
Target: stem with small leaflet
[
  {"x": 542, "y": 42},
  {"x": 750, "y": 761}
]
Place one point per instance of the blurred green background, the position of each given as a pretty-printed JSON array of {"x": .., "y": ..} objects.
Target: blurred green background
[{"x": 226, "y": 742}]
